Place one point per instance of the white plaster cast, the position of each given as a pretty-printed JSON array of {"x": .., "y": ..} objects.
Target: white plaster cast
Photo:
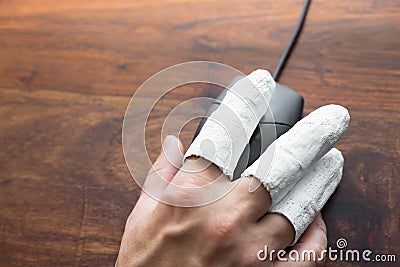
[
  {"x": 227, "y": 131},
  {"x": 283, "y": 164},
  {"x": 306, "y": 199}
]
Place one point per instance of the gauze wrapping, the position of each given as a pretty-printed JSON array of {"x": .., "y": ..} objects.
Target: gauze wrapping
[
  {"x": 291, "y": 169},
  {"x": 227, "y": 131},
  {"x": 282, "y": 165},
  {"x": 310, "y": 194}
]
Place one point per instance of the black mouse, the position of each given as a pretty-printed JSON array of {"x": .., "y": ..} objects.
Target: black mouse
[{"x": 286, "y": 108}]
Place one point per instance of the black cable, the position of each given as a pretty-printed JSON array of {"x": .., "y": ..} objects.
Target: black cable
[{"x": 292, "y": 42}]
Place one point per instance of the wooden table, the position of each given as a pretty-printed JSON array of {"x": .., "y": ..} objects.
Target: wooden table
[{"x": 69, "y": 68}]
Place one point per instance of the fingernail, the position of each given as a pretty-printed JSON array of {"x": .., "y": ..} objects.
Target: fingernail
[
  {"x": 168, "y": 140},
  {"x": 254, "y": 185},
  {"x": 170, "y": 145}
]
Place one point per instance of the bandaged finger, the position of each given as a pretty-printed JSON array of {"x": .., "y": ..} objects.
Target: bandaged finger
[
  {"x": 282, "y": 165},
  {"x": 309, "y": 195},
  {"x": 226, "y": 132}
]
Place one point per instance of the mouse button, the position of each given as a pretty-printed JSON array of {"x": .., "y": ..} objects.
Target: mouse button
[
  {"x": 256, "y": 135},
  {"x": 270, "y": 132},
  {"x": 285, "y": 107},
  {"x": 281, "y": 129},
  {"x": 267, "y": 135}
]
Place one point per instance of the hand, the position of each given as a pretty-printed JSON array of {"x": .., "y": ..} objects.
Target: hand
[
  {"x": 228, "y": 232},
  {"x": 198, "y": 217}
]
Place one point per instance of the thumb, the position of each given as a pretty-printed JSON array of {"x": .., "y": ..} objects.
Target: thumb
[{"x": 161, "y": 173}]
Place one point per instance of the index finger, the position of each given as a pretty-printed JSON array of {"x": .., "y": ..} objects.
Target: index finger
[{"x": 227, "y": 131}]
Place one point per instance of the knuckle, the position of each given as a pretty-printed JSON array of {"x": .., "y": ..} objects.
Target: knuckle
[
  {"x": 223, "y": 230},
  {"x": 175, "y": 232},
  {"x": 156, "y": 169},
  {"x": 178, "y": 196},
  {"x": 224, "y": 227},
  {"x": 192, "y": 180}
]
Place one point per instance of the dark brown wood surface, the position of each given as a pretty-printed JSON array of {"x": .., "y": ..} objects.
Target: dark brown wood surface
[{"x": 68, "y": 69}]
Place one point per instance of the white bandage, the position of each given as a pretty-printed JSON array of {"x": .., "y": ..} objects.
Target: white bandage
[
  {"x": 306, "y": 199},
  {"x": 298, "y": 180},
  {"x": 282, "y": 165},
  {"x": 228, "y": 130}
]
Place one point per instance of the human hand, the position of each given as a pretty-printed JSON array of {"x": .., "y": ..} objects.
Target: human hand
[
  {"x": 231, "y": 231},
  {"x": 224, "y": 233}
]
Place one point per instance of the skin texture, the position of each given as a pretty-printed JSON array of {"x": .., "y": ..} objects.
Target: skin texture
[{"x": 227, "y": 232}]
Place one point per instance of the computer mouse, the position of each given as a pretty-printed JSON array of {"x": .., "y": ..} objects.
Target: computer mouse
[{"x": 286, "y": 108}]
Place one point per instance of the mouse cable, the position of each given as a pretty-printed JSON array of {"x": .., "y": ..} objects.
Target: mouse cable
[{"x": 292, "y": 42}]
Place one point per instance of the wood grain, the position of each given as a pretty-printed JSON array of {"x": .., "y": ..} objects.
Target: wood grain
[{"x": 68, "y": 69}]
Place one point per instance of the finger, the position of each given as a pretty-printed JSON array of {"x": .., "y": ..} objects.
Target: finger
[
  {"x": 211, "y": 184},
  {"x": 197, "y": 183},
  {"x": 277, "y": 229},
  {"x": 314, "y": 240},
  {"x": 281, "y": 166},
  {"x": 306, "y": 199},
  {"x": 226, "y": 132},
  {"x": 161, "y": 173},
  {"x": 255, "y": 202}
]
